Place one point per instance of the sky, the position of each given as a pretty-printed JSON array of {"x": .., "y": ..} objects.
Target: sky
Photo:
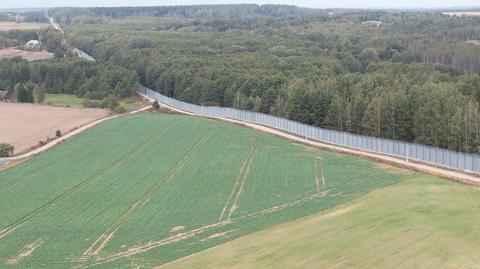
[{"x": 303, "y": 3}]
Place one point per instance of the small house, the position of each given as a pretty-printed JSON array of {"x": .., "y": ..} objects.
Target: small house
[
  {"x": 33, "y": 45},
  {"x": 5, "y": 96}
]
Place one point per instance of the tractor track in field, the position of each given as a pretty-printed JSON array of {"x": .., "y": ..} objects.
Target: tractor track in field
[
  {"x": 132, "y": 251},
  {"x": 319, "y": 177},
  {"x": 62, "y": 158},
  {"x": 100, "y": 243},
  {"x": 15, "y": 225},
  {"x": 241, "y": 185},
  {"x": 240, "y": 175}
]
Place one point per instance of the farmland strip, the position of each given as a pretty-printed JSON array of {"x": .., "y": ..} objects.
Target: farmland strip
[
  {"x": 238, "y": 186},
  {"x": 12, "y": 227},
  {"x": 103, "y": 239},
  {"x": 53, "y": 162},
  {"x": 182, "y": 236}
]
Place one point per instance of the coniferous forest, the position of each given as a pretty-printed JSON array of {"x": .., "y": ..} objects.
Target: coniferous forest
[{"x": 404, "y": 75}]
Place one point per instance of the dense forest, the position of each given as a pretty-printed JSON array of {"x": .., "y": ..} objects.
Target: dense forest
[
  {"x": 410, "y": 76},
  {"x": 69, "y": 76},
  {"x": 99, "y": 83}
]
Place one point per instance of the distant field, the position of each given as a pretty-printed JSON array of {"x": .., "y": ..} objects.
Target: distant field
[
  {"x": 24, "y": 125},
  {"x": 8, "y": 25},
  {"x": 28, "y": 55},
  {"x": 474, "y": 42},
  {"x": 143, "y": 190},
  {"x": 68, "y": 100},
  {"x": 466, "y": 13}
]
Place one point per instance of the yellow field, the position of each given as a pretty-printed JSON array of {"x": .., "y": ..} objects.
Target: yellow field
[{"x": 9, "y": 25}]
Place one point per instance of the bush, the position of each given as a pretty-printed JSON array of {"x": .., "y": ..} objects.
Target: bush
[
  {"x": 156, "y": 105},
  {"x": 120, "y": 109},
  {"x": 6, "y": 150},
  {"x": 92, "y": 103},
  {"x": 110, "y": 102},
  {"x": 58, "y": 133}
]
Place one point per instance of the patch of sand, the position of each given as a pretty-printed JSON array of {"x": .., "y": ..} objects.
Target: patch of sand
[{"x": 177, "y": 229}]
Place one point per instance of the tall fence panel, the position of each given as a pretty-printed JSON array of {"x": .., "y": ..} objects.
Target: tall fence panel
[{"x": 410, "y": 151}]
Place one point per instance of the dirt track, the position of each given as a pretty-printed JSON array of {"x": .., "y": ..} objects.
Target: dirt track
[{"x": 430, "y": 169}]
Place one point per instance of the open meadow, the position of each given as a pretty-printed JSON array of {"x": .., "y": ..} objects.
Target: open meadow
[
  {"x": 24, "y": 125},
  {"x": 146, "y": 189}
]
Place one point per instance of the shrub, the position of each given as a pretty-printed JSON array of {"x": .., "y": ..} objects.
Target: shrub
[
  {"x": 156, "y": 105},
  {"x": 120, "y": 109},
  {"x": 6, "y": 150},
  {"x": 58, "y": 133},
  {"x": 92, "y": 103}
]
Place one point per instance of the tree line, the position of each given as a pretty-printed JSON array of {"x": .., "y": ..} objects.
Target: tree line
[
  {"x": 411, "y": 78},
  {"x": 30, "y": 80}
]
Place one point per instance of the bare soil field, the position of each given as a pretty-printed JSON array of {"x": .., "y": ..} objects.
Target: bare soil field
[
  {"x": 466, "y": 13},
  {"x": 11, "y": 25},
  {"x": 24, "y": 125},
  {"x": 28, "y": 55}
]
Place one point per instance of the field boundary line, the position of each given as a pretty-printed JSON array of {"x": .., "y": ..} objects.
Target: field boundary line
[
  {"x": 62, "y": 158},
  {"x": 305, "y": 199},
  {"x": 132, "y": 251},
  {"x": 18, "y": 223},
  {"x": 100, "y": 243}
]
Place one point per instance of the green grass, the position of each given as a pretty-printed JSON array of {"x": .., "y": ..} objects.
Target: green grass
[
  {"x": 110, "y": 197},
  {"x": 67, "y": 100},
  {"x": 424, "y": 222}
]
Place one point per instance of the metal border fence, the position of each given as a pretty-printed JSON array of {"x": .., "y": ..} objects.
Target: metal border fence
[
  {"x": 437, "y": 156},
  {"x": 410, "y": 151}
]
